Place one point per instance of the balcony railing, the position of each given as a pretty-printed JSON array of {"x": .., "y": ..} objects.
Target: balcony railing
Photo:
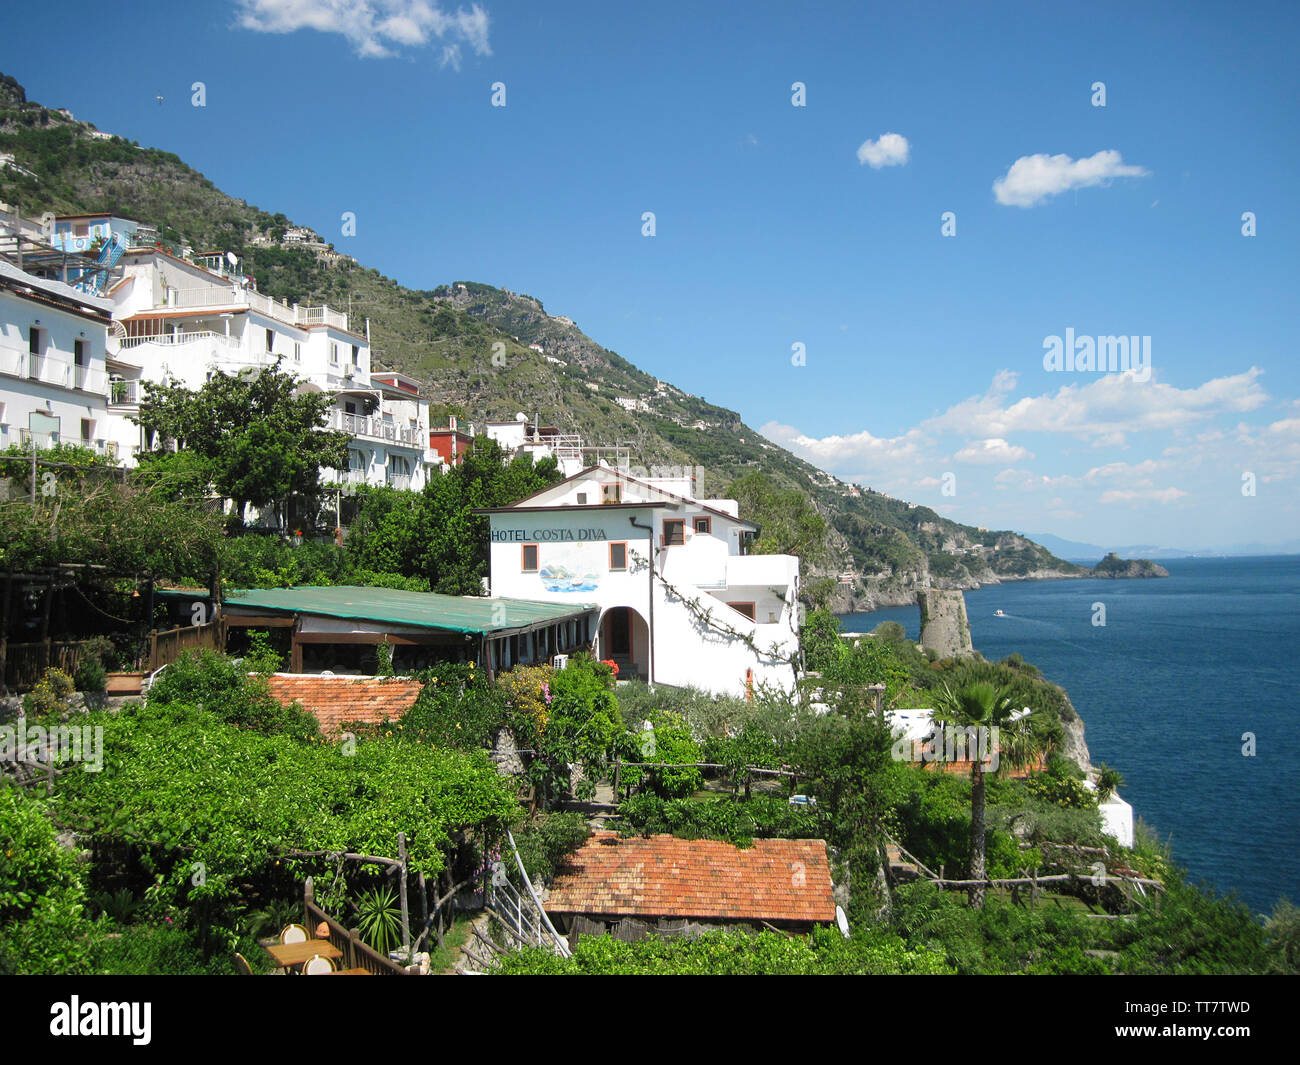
[
  {"x": 125, "y": 393},
  {"x": 173, "y": 339},
  {"x": 242, "y": 297},
  {"x": 343, "y": 476},
  {"x": 378, "y": 429},
  {"x": 44, "y": 441},
  {"x": 399, "y": 480},
  {"x": 51, "y": 371}
]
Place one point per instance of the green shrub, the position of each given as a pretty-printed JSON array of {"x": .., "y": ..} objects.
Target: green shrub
[
  {"x": 50, "y": 696},
  {"x": 219, "y": 685}
]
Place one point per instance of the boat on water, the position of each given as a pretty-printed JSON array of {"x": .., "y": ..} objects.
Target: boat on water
[{"x": 998, "y": 613}]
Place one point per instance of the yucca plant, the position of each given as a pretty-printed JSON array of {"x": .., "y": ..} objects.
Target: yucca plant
[{"x": 379, "y": 919}]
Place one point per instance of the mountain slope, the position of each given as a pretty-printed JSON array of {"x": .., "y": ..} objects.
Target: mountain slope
[{"x": 469, "y": 346}]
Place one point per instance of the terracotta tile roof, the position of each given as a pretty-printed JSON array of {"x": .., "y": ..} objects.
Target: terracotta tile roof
[
  {"x": 336, "y": 701},
  {"x": 662, "y": 876}
]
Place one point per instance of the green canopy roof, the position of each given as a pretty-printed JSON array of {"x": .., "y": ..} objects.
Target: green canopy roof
[{"x": 474, "y": 614}]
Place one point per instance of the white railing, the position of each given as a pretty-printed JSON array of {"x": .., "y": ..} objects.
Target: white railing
[
  {"x": 242, "y": 297},
  {"x": 343, "y": 476},
  {"x": 399, "y": 480},
  {"x": 377, "y": 429},
  {"x": 124, "y": 393},
  {"x": 173, "y": 339},
  {"x": 43, "y": 440},
  {"x": 50, "y": 371}
]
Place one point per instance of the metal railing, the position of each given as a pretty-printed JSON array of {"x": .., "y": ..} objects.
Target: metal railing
[
  {"x": 50, "y": 371},
  {"x": 377, "y": 429},
  {"x": 125, "y": 393},
  {"x": 399, "y": 480}
]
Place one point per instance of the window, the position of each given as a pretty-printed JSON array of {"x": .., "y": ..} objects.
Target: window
[
  {"x": 334, "y": 354},
  {"x": 79, "y": 352},
  {"x": 297, "y": 351},
  {"x": 270, "y": 340},
  {"x": 36, "y": 341},
  {"x": 743, "y": 608},
  {"x": 771, "y": 617},
  {"x": 87, "y": 430},
  {"x": 618, "y": 555},
  {"x": 674, "y": 532},
  {"x": 702, "y": 524},
  {"x": 529, "y": 558},
  {"x": 356, "y": 355},
  {"x": 582, "y": 499},
  {"x": 612, "y": 493},
  {"x": 356, "y": 460}
]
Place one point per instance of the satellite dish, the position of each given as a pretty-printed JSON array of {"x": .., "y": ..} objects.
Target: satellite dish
[
  {"x": 232, "y": 258},
  {"x": 842, "y": 920},
  {"x": 521, "y": 417}
]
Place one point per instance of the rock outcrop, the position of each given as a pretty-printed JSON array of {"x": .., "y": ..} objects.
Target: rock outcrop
[{"x": 944, "y": 627}]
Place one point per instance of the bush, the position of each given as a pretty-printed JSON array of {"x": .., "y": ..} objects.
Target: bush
[
  {"x": 209, "y": 681},
  {"x": 668, "y": 740},
  {"x": 545, "y": 841},
  {"x": 50, "y": 696},
  {"x": 164, "y": 950}
]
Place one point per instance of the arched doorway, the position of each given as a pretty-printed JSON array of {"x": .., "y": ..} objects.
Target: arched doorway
[{"x": 625, "y": 637}]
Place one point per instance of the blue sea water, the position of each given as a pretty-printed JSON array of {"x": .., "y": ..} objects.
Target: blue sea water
[{"x": 1183, "y": 668}]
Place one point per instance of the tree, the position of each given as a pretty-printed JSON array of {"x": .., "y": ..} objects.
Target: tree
[
  {"x": 984, "y": 706},
  {"x": 790, "y": 524},
  {"x": 264, "y": 440},
  {"x": 1109, "y": 781}
]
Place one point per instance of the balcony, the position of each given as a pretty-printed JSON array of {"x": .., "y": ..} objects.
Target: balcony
[
  {"x": 50, "y": 371},
  {"x": 291, "y": 314},
  {"x": 343, "y": 477},
  {"x": 171, "y": 340},
  {"x": 378, "y": 429},
  {"x": 125, "y": 393},
  {"x": 104, "y": 448}
]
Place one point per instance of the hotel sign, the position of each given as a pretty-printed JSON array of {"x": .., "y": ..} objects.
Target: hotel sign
[{"x": 505, "y": 536}]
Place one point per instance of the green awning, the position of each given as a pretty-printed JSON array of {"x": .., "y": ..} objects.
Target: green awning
[{"x": 451, "y": 613}]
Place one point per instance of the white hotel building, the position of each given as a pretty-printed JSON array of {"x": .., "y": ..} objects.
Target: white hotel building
[
  {"x": 183, "y": 321},
  {"x": 680, "y": 603}
]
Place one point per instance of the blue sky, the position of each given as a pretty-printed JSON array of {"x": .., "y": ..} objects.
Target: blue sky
[{"x": 778, "y": 225}]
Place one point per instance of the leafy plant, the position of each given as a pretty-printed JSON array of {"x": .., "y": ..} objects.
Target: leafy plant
[{"x": 379, "y": 919}]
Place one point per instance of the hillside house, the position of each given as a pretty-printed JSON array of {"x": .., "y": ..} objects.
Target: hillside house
[{"x": 680, "y": 602}]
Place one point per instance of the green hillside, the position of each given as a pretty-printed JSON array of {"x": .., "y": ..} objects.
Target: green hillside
[{"x": 468, "y": 345}]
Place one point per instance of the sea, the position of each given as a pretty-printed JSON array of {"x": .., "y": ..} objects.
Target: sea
[{"x": 1190, "y": 689}]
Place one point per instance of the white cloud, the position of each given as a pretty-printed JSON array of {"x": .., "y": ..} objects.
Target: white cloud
[
  {"x": 1033, "y": 179},
  {"x": 1107, "y": 407},
  {"x": 836, "y": 452},
  {"x": 1141, "y": 495},
  {"x": 375, "y": 27},
  {"x": 891, "y": 149},
  {"x": 993, "y": 450}
]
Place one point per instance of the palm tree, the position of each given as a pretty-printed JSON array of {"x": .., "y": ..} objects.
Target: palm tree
[
  {"x": 982, "y": 705},
  {"x": 1109, "y": 781}
]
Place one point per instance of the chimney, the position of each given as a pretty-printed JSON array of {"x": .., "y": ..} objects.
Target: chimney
[{"x": 451, "y": 420}]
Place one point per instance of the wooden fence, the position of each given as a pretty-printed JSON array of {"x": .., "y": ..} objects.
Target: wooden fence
[
  {"x": 356, "y": 953},
  {"x": 23, "y": 664},
  {"x": 166, "y": 647}
]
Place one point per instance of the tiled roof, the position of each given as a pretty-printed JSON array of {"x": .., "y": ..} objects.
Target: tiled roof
[
  {"x": 337, "y": 701},
  {"x": 662, "y": 876}
]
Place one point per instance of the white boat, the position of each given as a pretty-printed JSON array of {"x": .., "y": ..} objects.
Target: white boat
[{"x": 998, "y": 614}]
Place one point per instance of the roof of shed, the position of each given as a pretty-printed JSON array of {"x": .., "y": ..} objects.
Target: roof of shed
[
  {"x": 473, "y": 614},
  {"x": 663, "y": 876}
]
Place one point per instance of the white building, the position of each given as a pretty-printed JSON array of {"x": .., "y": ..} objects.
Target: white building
[
  {"x": 184, "y": 321},
  {"x": 679, "y": 602},
  {"x": 53, "y": 379}
]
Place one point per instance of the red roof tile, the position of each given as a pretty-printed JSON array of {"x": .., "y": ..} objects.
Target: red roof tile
[
  {"x": 338, "y": 701},
  {"x": 662, "y": 876}
]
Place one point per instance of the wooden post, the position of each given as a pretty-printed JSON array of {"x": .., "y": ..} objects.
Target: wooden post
[
  {"x": 401, "y": 887},
  {"x": 4, "y": 633},
  {"x": 45, "y": 620},
  {"x": 295, "y": 647},
  {"x": 618, "y": 765}
]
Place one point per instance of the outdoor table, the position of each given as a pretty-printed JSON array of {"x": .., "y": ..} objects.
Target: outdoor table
[{"x": 291, "y": 954}]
